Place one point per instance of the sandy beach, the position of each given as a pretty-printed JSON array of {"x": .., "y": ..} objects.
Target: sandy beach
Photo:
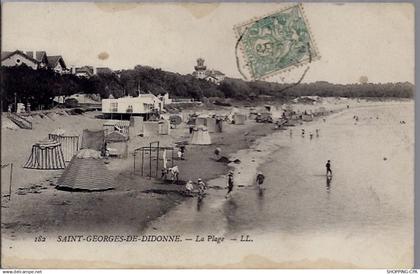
[
  {"x": 295, "y": 187},
  {"x": 136, "y": 197}
]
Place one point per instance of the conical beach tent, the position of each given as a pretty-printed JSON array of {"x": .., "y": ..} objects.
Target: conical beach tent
[
  {"x": 46, "y": 154},
  {"x": 86, "y": 172},
  {"x": 200, "y": 136}
]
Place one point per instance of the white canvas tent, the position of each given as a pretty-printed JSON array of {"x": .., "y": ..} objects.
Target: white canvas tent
[{"x": 200, "y": 136}]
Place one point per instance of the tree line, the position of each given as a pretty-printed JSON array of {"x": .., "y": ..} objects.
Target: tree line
[{"x": 39, "y": 87}]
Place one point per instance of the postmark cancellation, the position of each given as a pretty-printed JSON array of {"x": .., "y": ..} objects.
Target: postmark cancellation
[{"x": 275, "y": 43}]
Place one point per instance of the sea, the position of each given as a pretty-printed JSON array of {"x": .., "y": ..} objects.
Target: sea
[{"x": 361, "y": 217}]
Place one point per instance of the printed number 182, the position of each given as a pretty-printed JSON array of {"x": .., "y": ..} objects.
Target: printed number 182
[{"x": 40, "y": 238}]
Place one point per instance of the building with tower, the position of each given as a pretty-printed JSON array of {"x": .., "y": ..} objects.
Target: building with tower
[{"x": 201, "y": 72}]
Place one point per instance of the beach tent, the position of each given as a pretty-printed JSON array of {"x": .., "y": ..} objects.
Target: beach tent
[
  {"x": 175, "y": 119},
  {"x": 86, "y": 172},
  {"x": 117, "y": 144},
  {"x": 93, "y": 139},
  {"x": 211, "y": 124},
  {"x": 46, "y": 154},
  {"x": 69, "y": 142},
  {"x": 200, "y": 136},
  {"x": 307, "y": 117},
  {"x": 239, "y": 119}
]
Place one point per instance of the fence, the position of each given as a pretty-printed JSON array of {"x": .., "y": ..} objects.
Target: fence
[{"x": 151, "y": 158}]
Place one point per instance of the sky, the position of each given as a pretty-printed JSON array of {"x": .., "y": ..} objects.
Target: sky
[{"x": 373, "y": 40}]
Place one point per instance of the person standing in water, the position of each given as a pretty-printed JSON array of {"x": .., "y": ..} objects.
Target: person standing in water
[
  {"x": 328, "y": 166},
  {"x": 229, "y": 184},
  {"x": 260, "y": 179}
]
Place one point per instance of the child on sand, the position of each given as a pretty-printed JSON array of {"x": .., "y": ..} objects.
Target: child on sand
[{"x": 189, "y": 187}]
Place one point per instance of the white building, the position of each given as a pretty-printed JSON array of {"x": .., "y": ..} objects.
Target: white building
[
  {"x": 144, "y": 105},
  {"x": 165, "y": 99},
  {"x": 201, "y": 72}
]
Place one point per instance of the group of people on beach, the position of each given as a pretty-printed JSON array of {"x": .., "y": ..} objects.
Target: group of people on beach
[
  {"x": 202, "y": 186},
  {"x": 230, "y": 182},
  {"x": 311, "y": 135}
]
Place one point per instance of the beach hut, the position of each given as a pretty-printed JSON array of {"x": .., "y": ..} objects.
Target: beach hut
[
  {"x": 200, "y": 136},
  {"x": 200, "y": 121},
  {"x": 86, "y": 172},
  {"x": 93, "y": 139},
  {"x": 239, "y": 119},
  {"x": 136, "y": 126},
  {"x": 219, "y": 125},
  {"x": 164, "y": 127},
  {"x": 150, "y": 128},
  {"x": 211, "y": 124},
  {"x": 46, "y": 154},
  {"x": 117, "y": 144},
  {"x": 69, "y": 142}
]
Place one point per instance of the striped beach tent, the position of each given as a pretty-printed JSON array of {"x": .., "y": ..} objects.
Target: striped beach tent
[
  {"x": 69, "y": 142},
  {"x": 86, "y": 172},
  {"x": 46, "y": 154}
]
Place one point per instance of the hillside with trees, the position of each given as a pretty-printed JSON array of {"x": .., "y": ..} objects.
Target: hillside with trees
[{"x": 39, "y": 87}]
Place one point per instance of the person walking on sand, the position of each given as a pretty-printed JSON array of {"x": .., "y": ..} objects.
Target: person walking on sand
[
  {"x": 260, "y": 179},
  {"x": 328, "y": 166},
  {"x": 201, "y": 188},
  {"x": 229, "y": 184}
]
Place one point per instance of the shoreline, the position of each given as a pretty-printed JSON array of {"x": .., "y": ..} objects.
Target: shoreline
[
  {"x": 253, "y": 158},
  {"x": 136, "y": 201}
]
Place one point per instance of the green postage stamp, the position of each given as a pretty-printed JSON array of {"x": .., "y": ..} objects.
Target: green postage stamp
[{"x": 275, "y": 43}]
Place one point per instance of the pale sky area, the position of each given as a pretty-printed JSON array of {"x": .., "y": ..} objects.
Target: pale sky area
[{"x": 373, "y": 40}]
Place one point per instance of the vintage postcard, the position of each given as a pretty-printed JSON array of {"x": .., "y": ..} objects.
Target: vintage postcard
[{"x": 207, "y": 135}]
